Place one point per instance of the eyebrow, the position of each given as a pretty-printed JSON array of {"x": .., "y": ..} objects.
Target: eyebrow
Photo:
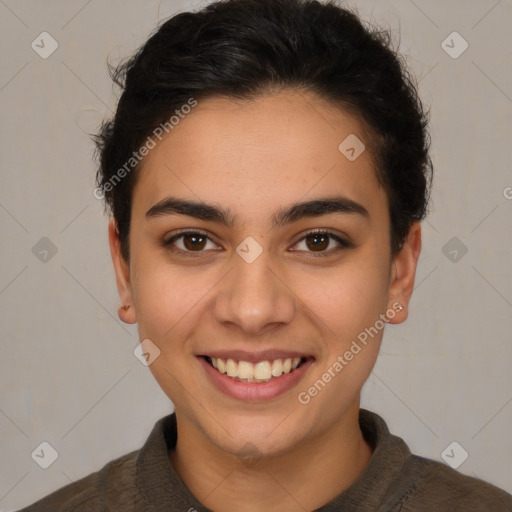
[{"x": 287, "y": 215}]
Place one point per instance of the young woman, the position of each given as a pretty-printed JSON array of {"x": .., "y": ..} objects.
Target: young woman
[{"x": 267, "y": 170}]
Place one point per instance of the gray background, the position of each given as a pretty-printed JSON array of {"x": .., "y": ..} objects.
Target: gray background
[{"x": 69, "y": 376}]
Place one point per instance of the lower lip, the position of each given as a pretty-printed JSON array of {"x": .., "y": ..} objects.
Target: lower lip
[{"x": 252, "y": 391}]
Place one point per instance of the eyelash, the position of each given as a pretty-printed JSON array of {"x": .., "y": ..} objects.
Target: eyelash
[{"x": 343, "y": 244}]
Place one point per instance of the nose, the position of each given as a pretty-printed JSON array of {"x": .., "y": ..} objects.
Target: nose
[{"x": 254, "y": 297}]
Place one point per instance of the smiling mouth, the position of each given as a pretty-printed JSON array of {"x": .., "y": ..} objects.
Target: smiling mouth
[{"x": 260, "y": 372}]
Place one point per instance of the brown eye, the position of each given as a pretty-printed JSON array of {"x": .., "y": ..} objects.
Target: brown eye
[
  {"x": 190, "y": 242},
  {"x": 194, "y": 242},
  {"x": 323, "y": 243},
  {"x": 317, "y": 242}
]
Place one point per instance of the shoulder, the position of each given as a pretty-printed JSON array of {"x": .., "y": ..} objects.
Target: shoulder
[
  {"x": 441, "y": 488},
  {"x": 404, "y": 482},
  {"x": 110, "y": 488}
]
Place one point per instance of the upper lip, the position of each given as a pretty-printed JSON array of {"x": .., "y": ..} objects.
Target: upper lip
[{"x": 254, "y": 357}]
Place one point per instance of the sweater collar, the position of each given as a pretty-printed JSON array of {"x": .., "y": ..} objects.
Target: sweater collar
[{"x": 381, "y": 485}]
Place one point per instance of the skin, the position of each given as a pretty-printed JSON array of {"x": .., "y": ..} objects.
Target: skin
[{"x": 254, "y": 158}]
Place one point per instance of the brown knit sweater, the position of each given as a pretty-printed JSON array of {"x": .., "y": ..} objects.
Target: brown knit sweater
[{"x": 394, "y": 481}]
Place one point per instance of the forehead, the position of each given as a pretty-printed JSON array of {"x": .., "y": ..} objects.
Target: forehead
[{"x": 260, "y": 154}]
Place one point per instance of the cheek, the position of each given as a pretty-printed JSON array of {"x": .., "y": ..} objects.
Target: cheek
[
  {"x": 349, "y": 304},
  {"x": 348, "y": 297},
  {"x": 167, "y": 299}
]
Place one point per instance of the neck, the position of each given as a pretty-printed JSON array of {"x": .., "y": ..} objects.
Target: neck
[{"x": 306, "y": 478}]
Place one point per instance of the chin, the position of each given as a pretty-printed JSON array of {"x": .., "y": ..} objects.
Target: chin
[{"x": 266, "y": 434}]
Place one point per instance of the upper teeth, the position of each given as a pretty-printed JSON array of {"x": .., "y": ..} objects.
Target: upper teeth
[{"x": 261, "y": 371}]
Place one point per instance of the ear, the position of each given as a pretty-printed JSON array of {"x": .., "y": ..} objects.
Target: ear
[
  {"x": 403, "y": 273},
  {"x": 126, "y": 309}
]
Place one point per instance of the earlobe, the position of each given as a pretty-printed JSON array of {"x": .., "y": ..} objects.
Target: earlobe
[
  {"x": 403, "y": 275},
  {"x": 128, "y": 317},
  {"x": 126, "y": 311}
]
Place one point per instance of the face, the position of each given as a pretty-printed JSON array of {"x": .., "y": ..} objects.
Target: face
[{"x": 256, "y": 245}]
